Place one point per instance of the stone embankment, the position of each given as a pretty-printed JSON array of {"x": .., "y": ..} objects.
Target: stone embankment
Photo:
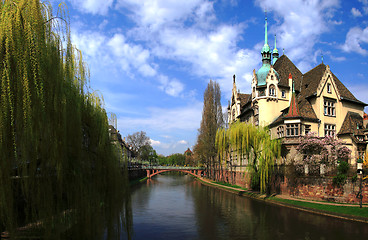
[{"x": 273, "y": 200}]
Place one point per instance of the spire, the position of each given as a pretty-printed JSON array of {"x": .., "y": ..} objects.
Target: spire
[
  {"x": 266, "y": 51},
  {"x": 293, "y": 108},
  {"x": 266, "y": 60},
  {"x": 275, "y": 53},
  {"x": 266, "y": 42}
]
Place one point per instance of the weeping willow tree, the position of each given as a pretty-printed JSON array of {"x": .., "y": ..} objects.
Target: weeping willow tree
[
  {"x": 59, "y": 173},
  {"x": 253, "y": 144}
]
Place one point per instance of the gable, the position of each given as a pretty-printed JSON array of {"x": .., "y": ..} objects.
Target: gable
[{"x": 327, "y": 86}]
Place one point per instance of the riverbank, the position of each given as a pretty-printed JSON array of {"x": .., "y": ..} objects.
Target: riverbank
[{"x": 350, "y": 212}]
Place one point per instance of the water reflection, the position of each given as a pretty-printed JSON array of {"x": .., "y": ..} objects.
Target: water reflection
[{"x": 178, "y": 207}]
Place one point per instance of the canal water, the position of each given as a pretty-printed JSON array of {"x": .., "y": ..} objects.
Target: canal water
[{"x": 179, "y": 207}]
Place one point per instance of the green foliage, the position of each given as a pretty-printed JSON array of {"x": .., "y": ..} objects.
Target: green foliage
[
  {"x": 172, "y": 160},
  {"x": 343, "y": 167},
  {"x": 253, "y": 144},
  {"x": 339, "y": 179},
  {"x": 55, "y": 152},
  {"x": 342, "y": 170}
]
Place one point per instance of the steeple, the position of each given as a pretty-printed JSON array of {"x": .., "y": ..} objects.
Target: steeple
[
  {"x": 275, "y": 53},
  {"x": 266, "y": 51},
  {"x": 266, "y": 60}
]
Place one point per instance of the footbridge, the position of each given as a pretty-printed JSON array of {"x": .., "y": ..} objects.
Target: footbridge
[{"x": 154, "y": 170}]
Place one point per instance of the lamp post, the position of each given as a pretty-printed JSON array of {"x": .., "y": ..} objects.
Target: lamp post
[{"x": 360, "y": 175}]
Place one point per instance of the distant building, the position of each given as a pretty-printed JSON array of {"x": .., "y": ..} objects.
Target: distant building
[
  {"x": 292, "y": 104},
  {"x": 189, "y": 157},
  {"x": 115, "y": 136}
]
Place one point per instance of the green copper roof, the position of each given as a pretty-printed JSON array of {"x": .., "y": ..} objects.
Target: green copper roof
[
  {"x": 275, "y": 49},
  {"x": 266, "y": 48},
  {"x": 266, "y": 62},
  {"x": 263, "y": 72}
]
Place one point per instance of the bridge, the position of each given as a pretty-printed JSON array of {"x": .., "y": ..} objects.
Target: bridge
[{"x": 154, "y": 170}]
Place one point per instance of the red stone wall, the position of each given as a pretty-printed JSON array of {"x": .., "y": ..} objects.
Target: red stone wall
[{"x": 318, "y": 188}]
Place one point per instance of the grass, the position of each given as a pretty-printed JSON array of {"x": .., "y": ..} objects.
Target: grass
[
  {"x": 230, "y": 185},
  {"x": 346, "y": 210}
]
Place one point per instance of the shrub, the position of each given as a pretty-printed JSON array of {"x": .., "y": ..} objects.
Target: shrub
[
  {"x": 339, "y": 179},
  {"x": 343, "y": 168}
]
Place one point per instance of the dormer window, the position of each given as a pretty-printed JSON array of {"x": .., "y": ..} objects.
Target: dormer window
[
  {"x": 272, "y": 91},
  {"x": 329, "y": 88}
]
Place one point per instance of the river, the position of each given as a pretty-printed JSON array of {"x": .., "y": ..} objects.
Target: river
[{"x": 179, "y": 207}]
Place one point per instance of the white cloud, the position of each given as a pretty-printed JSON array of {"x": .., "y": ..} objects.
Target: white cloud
[
  {"x": 183, "y": 142},
  {"x": 155, "y": 143},
  {"x": 185, "y": 31},
  {"x": 93, "y": 6},
  {"x": 131, "y": 55},
  {"x": 89, "y": 42},
  {"x": 172, "y": 88},
  {"x": 154, "y": 14},
  {"x": 354, "y": 39},
  {"x": 356, "y": 12},
  {"x": 165, "y": 120},
  {"x": 360, "y": 92}
]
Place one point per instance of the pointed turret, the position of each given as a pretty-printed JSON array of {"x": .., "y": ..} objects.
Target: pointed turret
[
  {"x": 275, "y": 53},
  {"x": 266, "y": 50},
  {"x": 293, "y": 108},
  {"x": 266, "y": 60}
]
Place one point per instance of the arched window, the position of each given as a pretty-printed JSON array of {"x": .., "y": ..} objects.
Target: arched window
[
  {"x": 272, "y": 90},
  {"x": 234, "y": 114}
]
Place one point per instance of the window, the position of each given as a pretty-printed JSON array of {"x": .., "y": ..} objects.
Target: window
[
  {"x": 280, "y": 131},
  {"x": 283, "y": 94},
  {"x": 272, "y": 90},
  {"x": 261, "y": 93},
  {"x": 292, "y": 130},
  {"x": 233, "y": 114},
  {"x": 330, "y": 130},
  {"x": 329, "y": 106},
  {"x": 329, "y": 88},
  {"x": 307, "y": 129},
  {"x": 271, "y": 77}
]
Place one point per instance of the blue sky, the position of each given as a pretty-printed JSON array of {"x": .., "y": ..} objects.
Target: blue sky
[{"x": 152, "y": 59}]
